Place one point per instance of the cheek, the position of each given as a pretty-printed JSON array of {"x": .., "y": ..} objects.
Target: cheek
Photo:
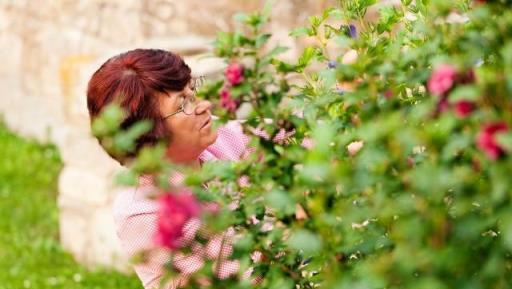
[{"x": 183, "y": 131}]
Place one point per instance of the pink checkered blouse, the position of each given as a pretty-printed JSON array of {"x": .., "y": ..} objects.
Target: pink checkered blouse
[{"x": 135, "y": 216}]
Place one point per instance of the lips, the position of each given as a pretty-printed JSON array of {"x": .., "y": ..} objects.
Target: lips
[{"x": 206, "y": 122}]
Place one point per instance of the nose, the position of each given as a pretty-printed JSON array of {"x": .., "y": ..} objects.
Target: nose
[{"x": 202, "y": 106}]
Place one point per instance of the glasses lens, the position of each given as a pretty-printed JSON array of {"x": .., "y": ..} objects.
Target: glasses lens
[
  {"x": 189, "y": 105},
  {"x": 196, "y": 82}
]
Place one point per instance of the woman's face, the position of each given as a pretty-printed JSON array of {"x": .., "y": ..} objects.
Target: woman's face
[{"x": 191, "y": 131}]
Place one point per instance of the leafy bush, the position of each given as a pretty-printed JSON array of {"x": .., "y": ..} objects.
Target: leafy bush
[{"x": 386, "y": 164}]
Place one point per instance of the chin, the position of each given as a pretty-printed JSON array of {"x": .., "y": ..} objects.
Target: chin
[{"x": 213, "y": 137}]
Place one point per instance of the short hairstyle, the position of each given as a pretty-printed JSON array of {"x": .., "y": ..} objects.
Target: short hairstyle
[{"x": 132, "y": 79}]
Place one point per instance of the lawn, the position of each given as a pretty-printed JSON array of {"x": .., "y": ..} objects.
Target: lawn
[{"x": 30, "y": 253}]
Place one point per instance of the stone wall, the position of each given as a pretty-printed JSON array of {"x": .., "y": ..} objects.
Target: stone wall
[{"x": 49, "y": 49}]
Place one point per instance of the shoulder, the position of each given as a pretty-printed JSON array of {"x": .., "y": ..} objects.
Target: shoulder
[{"x": 130, "y": 202}]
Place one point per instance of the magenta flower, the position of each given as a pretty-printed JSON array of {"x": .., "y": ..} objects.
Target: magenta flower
[
  {"x": 175, "y": 210},
  {"x": 442, "y": 79},
  {"x": 486, "y": 139},
  {"x": 463, "y": 108},
  {"x": 226, "y": 101},
  {"x": 234, "y": 73}
]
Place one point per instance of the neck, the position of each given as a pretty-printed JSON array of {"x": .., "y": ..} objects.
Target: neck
[{"x": 183, "y": 159}]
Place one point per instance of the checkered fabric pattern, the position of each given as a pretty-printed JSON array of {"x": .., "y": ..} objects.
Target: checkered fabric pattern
[{"x": 135, "y": 216}]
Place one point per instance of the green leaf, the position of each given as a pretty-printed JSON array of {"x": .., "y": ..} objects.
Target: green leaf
[
  {"x": 306, "y": 57},
  {"x": 328, "y": 77},
  {"x": 465, "y": 92},
  {"x": 505, "y": 140},
  {"x": 240, "y": 17},
  {"x": 109, "y": 121},
  {"x": 300, "y": 31},
  {"x": 281, "y": 202},
  {"x": 262, "y": 39},
  {"x": 126, "y": 178},
  {"x": 306, "y": 241},
  {"x": 273, "y": 53},
  {"x": 284, "y": 67},
  {"x": 506, "y": 228}
]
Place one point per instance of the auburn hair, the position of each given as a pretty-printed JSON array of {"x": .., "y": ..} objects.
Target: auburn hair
[{"x": 132, "y": 79}]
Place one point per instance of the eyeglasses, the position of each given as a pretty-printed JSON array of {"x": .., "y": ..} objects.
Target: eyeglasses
[{"x": 188, "y": 104}]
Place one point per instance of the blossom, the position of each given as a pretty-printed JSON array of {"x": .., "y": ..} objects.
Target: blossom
[
  {"x": 464, "y": 108},
  {"x": 354, "y": 147},
  {"x": 332, "y": 64},
  {"x": 352, "y": 31},
  {"x": 282, "y": 136},
  {"x": 243, "y": 181},
  {"x": 486, "y": 139},
  {"x": 226, "y": 101},
  {"x": 234, "y": 73},
  {"x": 467, "y": 77},
  {"x": 259, "y": 132},
  {"x": 388, "y": 94},
  {"x": 442, "y": 79},
  {"x": 175, "y": 210},
  {"x": 307, "y": 143}
]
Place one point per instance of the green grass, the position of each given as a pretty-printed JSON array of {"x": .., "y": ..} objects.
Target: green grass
[{"x": 30, "y": 253}]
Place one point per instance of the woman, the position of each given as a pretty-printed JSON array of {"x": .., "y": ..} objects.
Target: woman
[{"x": 157, "y": 85}]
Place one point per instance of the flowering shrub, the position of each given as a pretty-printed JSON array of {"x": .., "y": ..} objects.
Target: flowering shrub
[
  {"x": 386, "y": 166},
  {"x": 175, "y": 211}
]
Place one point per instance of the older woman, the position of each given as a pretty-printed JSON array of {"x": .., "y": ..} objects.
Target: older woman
[{"x": 157, "y": 85}]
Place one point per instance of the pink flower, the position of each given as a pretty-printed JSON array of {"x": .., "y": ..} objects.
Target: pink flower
[
  {"x": 243, "y": 181},
  {"x": 282, "y": 136},
  {"x": 442, "y": 79},
  {"x": 259, "y": 132},
  {"x": 175, "y": 210},
  {"x": 226, "y": 101},
  {"x": 464, "y": 108},
  {"x": 234, "y": 73},
  {"x": 354, "y": 147},
  {"x": 388, "y": 94},
  {"x": 307, "y": 143},
  {"x": 486, "y": 140}
]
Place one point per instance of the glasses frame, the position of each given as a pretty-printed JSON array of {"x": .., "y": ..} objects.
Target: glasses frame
[{"x": 195, "y": 82}]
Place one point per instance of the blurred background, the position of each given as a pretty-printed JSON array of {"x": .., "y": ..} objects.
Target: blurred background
[{"x": 56, "y": 229}]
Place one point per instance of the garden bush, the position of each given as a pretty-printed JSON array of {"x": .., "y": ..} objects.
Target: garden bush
[{"x": 379, "y": 159}]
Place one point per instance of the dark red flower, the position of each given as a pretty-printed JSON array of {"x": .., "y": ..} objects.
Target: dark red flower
[
  {"x": 442, "y": 105},
  {"x": 175, "y": 210},
  {"x": 467, "y": 77},
  {"x": 464, "y": 108},
  {"x": 234, "y": 73},
  {"x": 486, "y": 139}
]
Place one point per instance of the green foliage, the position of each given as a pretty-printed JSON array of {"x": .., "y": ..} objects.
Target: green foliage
[
  {"x": 30, "y": 253},
  {"x": 398, "y": 190}
]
